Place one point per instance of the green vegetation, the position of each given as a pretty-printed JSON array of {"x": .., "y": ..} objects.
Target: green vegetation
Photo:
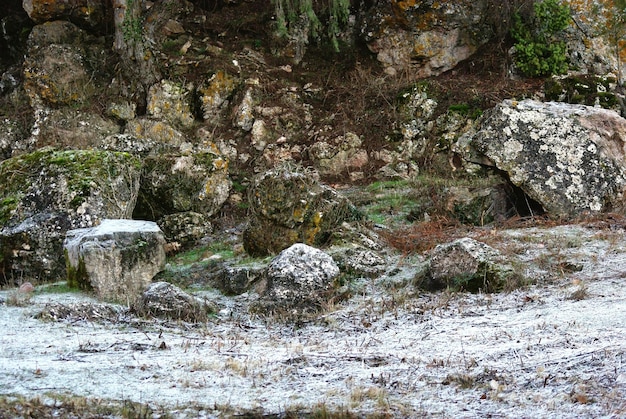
[
  {"x": 466, "y": 110},
  {"x": 132, "y": 28},
  {"x": 291, "y": 13},
  {"x": 77, "y": 276},
  {"x": 538, "y": 52}
]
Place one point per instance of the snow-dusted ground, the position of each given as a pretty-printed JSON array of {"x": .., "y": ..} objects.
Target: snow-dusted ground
[{"x": 530, "y": 353}]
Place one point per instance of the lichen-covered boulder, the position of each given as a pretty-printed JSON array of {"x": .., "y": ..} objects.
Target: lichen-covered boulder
[
  {"x": 185, "y": 228},
  {"x": 164, "y": 300},
  {"x": 298, "y": 280},
  {"x": 425, "y": 37},
  {"x": 171, "y": 102},
  {"x": 92, "y": 13},
  {"x": 215, "y": 95},
  {"x": 470, "y": 265},
  {"x": 117, "y": 259},
  {"x": 45, "y": 193},
  {"x": 290, "y": 206},
  {"x": 341, "y": 155},
  {"x": 170, "y": 183},
  {"x": 568, "y": 158},
  {"x": 69, "y": 128},
  {"x": 63, "y": 65},
  {"x": 161, "y": 134},
  {"x": 359, "y": 261}
]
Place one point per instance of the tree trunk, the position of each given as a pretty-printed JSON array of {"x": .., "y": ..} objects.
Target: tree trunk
[{"x": 137, "y": 59}]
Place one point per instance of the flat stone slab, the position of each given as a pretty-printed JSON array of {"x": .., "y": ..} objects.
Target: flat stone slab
[{"x": 117, "y": 259}]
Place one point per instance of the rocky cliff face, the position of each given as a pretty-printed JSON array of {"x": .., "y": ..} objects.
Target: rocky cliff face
[{"x": 203, "y": 96}]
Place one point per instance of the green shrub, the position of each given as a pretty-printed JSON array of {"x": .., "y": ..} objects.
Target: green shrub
[{"x": 538, "y": 53}]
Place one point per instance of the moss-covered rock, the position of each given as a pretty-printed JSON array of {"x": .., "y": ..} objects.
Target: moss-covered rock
[
  {"x": 583, "y": 89},
  {"x": 175, "y": 183},
  {"x": 469, "y": 265},
  {"x": 290, "y": 206},
  {"x": 45, "y": 193}
]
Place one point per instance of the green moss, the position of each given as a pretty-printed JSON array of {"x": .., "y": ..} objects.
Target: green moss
[
  {"x": 77, "y": 276},
  {"x": 83, "y": 170},
  {"x": 7, "y": 206}
]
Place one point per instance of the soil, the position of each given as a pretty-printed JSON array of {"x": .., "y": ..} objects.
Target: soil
[{"x": 553, "y": 349}]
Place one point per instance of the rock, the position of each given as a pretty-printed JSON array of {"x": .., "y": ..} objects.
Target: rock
[
  {"x": 583, "y": 89},
  {"x": 185, "y": 228},
  {"x": 171, "y": 102},
  {"x": 92, "y": 13},
  {"x": 45, "y": 193},
  {"x": 117, "y": 259},
  {"x": 158, "y": 132},
  {"x": 298, "y": 280},
  {"x": 568, "y": 158},
  {"x": 69, "y": 128},
  {"x": 215, "y": 95},
  {"x": 359, "y": 261},
  {"x": 164, "y": 300},
  {"x": 468, "y": 264},
  {"x": 244, "y": 118},
  {"x": 63, "y": 66},
  {"x": 235, "y": 280},
  {"x": 289, "y": 206},
  {"x": 425, "y": 37},
  {"x": 182, "y": 183},
  {"x": 341, "y": 155}
]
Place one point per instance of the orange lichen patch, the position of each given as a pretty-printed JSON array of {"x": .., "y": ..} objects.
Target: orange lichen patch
[
  {"x": 220, "y": 164},
  {"x": 406, "y": 4},
  {"x": 218, "y": 89}
]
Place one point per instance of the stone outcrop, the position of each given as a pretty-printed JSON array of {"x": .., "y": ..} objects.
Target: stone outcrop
[
  {"x": 298, "y": 280},
  {"x": 117, "y": 259},
  {"x": 290, "y": 206},
  {"x": 45, "y": 193},
  {"x": 568, "y": 158},
  {"x": 425, "y": 38},
  {"x": 197, "y": 182},
  {"x": 170, "y": 102},
  {"x": 468, "y": 264},
  {"x": 91, "y": 13},
  {"x": 167, "y": 301},
  {"x": 185, "y": 228},
  {"x": 341, "y": 155},
  {"x": 62, "y": 64}
]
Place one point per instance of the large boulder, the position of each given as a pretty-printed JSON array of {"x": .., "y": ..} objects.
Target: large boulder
[
  {"x": 341, "y": 155},
  {"x": 425, "y": 37},
  {"x": 171, "y": 102},
  {"x": 172, "y": 183},
  {"x": 164, "y": 300},
  {"x": 470, "y": 265},
  {"x": 298, "y": 280},
  {"x": 290, "y": 206},
  {"x": 63, "y": 64},
  {"x": 568, "y": 158},
  {"x": 45, "y": 193},
  {"x": 117, "y": 259},
  {"x": 91, "y": 13}
]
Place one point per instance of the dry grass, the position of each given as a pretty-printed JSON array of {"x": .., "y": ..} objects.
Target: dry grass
[{"x": 424, "y": 236}]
